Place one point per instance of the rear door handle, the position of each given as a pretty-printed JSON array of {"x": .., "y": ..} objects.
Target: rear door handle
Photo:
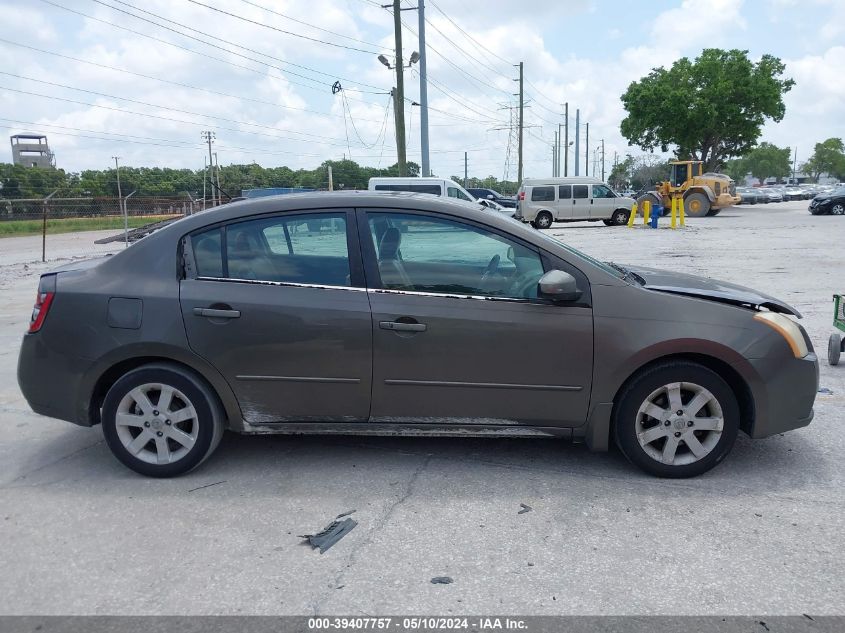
[
  {"x": 217, "y": 314},
  {"x": 398, "y": 326}
]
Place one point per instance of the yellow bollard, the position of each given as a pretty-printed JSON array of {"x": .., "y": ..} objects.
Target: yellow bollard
[
  {"x": 646, "y": 212},
  {"x": 681, "y": 209},
  {"x": 633, "y": 216},
  {"x": 674, "y": 211}
]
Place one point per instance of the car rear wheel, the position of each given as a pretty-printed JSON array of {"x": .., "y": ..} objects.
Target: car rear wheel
[
  {"x": 161, "y": 420},
  {"x": 543, "y": 220},
  {"x": 838, "y": 209},
  {"x": 676, "y": 419},
  {"x": 834, "y": 348}
]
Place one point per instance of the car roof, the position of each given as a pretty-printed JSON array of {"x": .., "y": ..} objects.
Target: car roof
[
  {"x": 326, "y": 200},
  {"x": 564, "y": 180}
]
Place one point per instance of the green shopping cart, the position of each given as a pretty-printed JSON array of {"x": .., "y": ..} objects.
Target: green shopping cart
[{"x": 836, "y": 345}]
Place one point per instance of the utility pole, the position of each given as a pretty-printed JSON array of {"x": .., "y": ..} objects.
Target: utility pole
[
  {"x": 120, "y": 202},
  {"x": 521, "y": 108},
  {"x": 399, "y": 98},
  {"x": 466, "y": 170},
  {"x": 331, "y": 182},
  {"x": 602, "y": 160},
  {"x": 587, "y": 153},
  {"x": 426, "y": 168},
  {"x": 566, "y": 139},
  {"x": 204, "y": 172},
  {"x": 577, "y": 140},
  {"x": 794, "y": 161},
  {"x": 217, "y": 171},
  {"x": 208, "y": 136},
  {"x": 554, "y": 156}
]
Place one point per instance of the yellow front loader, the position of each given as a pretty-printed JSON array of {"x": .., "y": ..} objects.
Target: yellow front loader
[{"x": 703, "y": 193}]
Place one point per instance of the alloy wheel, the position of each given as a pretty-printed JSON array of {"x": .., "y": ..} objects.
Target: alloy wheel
[
  {"x": 679, "y": 423},
  {"x": 157, "y": 423}
]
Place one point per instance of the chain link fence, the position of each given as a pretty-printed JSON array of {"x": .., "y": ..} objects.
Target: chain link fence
[{"x": 51, "y": 228}]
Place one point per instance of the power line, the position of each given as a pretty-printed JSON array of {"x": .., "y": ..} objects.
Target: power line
[
  {"x": 172, "y": 120},
  {"x": 475, "y": 41},
  {"x": 268, "y": 26},
  {"x": 176, "y": 83},
  {"x": 313, "y": 26},
  {"x": 322, "y": 86}
]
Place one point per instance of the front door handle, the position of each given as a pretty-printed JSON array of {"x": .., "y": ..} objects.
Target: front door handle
[
  {"x": 398, "y": 326},
  {"x": 215, "y": 313}
]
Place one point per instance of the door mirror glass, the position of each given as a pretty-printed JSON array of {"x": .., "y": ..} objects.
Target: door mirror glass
[{"x": 558, "y": 286}]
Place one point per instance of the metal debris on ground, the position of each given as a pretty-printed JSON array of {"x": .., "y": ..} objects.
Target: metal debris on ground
[
  {"x": 331, "y": 535},
  {"x": 524, "y": 508},
  {"x": 825, "y": 390},
  {"x": 441, "y": 580},
  {"x": 345, "y": 514}
]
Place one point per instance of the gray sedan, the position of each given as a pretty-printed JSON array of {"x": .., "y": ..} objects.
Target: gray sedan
[{"x": 382, "y": 313}]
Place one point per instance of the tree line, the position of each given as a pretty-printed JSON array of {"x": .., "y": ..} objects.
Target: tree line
[{"x": 17, "y": 181}]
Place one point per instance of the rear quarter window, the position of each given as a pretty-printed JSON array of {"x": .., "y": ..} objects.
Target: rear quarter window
[{"x": 543, "y": 194}]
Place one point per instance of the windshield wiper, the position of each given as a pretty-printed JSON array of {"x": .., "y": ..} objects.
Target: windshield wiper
[{"x": 627, "y": 275}]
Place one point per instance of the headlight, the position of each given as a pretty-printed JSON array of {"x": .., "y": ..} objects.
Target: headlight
[{"x": 787, "y": 328}]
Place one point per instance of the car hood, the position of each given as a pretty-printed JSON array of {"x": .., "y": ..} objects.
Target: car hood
[
  {"x": 822, "y": 196},
  {"x": 713, "y": 289}
]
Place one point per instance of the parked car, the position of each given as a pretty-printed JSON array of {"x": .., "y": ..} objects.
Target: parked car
[
  {"x": 545, "y": 201},
  {"x": 771, "y": 193},
  {"x": 437, "y": 187},
  {"x": 749, "y": 195},
  {"x": 793, "y": 193},
  {"x": 829, "y": 203},
  {"x": 495, "y": 196},
  {"x": 404, "y": 314}
]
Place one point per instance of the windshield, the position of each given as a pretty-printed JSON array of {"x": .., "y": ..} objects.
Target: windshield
[{"x": 615, "y": 270}]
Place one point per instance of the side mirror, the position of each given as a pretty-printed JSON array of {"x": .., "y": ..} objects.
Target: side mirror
[
  {"x": 490, "y": 196},
  {"x": 558, "y": 286},
  {"x": 511, "y": 255}
]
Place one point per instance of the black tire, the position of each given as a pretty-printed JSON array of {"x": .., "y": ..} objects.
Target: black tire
[
  {"x": 834, "y": 348},
  {"x": 543, "y": 220},
  {"x": 838, "y": 208},
  {"x": 619, "y": 218},
  {"x": 644, "y": 384},
  {"x": 696, "y": 205},
  {"x": 209, "y": 419},
  {"x": 713, "y": 212}
]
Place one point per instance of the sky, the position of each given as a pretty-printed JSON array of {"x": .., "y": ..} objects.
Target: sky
[{"x": 143, "y": 80}]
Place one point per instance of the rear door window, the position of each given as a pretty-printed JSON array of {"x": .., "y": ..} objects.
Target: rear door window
[
  {"x": 303, "y": 248},
  {"x": 580, "y": 191},
  {"x": 564, "y": 192},
  {"x": 543, "y": 194}
]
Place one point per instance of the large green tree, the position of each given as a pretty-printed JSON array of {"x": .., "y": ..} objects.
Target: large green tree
[
  {"x": 828, "y": 157},
  {"x": 711, "y": 108}
]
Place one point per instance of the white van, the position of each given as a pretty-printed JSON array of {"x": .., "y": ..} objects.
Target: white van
[
  {"x": 434, "y": 186},
  {"x": 542, "y": 201}
]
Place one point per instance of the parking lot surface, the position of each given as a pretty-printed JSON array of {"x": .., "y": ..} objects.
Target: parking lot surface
[{"x": 761, "y": 533}]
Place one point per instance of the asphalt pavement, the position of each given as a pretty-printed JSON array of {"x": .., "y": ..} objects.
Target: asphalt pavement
[{"x": 760, "y": 534}]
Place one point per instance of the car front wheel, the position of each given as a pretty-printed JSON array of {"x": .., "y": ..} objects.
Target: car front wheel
[
  {"x": 676, "y": 419},
  {"x": 161, "y": 420}
]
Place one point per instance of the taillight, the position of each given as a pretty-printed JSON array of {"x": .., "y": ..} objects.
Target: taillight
[
  {"x": 46, "y": 292},
  {"x": 522, "y": 195}
]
